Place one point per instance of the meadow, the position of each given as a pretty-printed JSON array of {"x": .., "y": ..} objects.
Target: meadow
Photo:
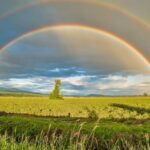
[
  {"x": 104, "y": 107},
  {"x": 75, "y": 123}
]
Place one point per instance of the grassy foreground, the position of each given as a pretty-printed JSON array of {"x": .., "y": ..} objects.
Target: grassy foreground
[{"x": 66, "y": 133}]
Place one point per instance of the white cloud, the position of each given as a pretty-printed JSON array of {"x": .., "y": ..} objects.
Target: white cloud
[
  {"x": 77, "y": 80},
  {"x": 110, "y": 84},
  {"x": 44, "y": 84},
  {"x": 115, "y": 78},
  {"x": 139, "y": 83},
  {"x": 55, "y": 70}
]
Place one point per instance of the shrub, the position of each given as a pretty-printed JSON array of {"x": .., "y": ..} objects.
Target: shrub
[{"x": 92, "y": 114}]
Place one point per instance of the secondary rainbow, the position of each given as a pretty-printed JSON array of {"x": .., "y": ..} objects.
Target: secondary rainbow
[{"x": 95, "y": 2}]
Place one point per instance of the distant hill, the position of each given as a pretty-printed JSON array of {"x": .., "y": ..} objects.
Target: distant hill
[
  {"x": 90, "y": 95},
  {"x": 16, "y": 92},
  {"x": 96, "y": 95}
]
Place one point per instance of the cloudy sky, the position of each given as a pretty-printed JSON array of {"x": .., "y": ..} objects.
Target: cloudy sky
[{"x": 93, "y": 46}]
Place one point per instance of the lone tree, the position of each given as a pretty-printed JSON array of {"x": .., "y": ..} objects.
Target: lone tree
[{"x": 55, "y": 94}]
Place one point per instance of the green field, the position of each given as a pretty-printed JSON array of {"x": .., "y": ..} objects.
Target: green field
[
  {"x": 104, "y": 107},
  {"x": 112, "y": 122}
]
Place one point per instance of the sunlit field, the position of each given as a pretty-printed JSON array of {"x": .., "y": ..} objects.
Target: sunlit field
[{"x": 105, "y": 107}]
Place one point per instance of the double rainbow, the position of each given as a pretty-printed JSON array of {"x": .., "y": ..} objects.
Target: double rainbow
[{"x": 82, "y": 27}]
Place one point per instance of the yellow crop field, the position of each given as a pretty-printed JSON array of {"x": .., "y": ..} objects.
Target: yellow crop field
[{"x": 104, "y": 107}]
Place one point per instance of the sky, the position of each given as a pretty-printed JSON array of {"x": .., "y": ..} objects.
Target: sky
[{"x": 92, "y": 46}]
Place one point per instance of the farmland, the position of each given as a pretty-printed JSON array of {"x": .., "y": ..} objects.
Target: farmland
[
  {"x": 40, "y": 123},
  {"x": 105, "y": 107}
]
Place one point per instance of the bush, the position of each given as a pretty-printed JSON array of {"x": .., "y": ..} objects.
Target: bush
[{"x": 92, "y": 114}]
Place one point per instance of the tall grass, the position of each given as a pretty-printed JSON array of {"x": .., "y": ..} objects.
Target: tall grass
[{"x": 74, "y": 140}]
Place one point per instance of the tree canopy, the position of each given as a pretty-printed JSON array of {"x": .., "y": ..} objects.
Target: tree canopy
[{"x": 55, "y": 94}]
